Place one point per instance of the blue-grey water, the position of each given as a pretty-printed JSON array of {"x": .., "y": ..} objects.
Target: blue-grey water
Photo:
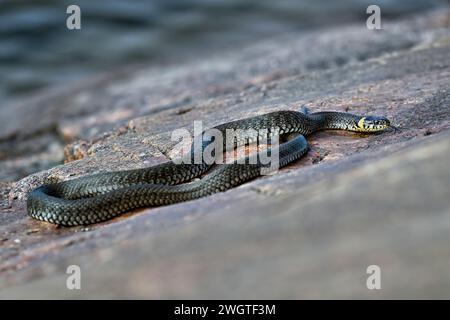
[{"x": 38, "y": 51}]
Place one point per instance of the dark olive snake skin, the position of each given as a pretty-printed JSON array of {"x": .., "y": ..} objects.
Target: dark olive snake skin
[{"x": 99, "y": 197}]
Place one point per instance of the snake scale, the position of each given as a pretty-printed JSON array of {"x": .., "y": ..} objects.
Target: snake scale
[{"x": 99, "y": 197}]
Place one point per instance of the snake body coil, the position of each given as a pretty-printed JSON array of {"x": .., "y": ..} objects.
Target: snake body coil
[{"x": 100, "y": 197}]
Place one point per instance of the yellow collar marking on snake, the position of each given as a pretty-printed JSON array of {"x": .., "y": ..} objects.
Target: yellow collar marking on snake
[{"x": 361, "y": 123}]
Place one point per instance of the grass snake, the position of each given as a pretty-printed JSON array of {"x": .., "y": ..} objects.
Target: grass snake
[{"x": 99, "y": 197}]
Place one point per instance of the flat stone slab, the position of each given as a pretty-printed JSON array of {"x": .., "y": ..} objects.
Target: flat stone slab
[
  {"x": 312, "y": 241},
  {"x": 310, "y": 231}
]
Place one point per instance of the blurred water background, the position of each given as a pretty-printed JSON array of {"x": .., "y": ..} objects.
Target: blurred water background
[{"x": 38, "y": 51}]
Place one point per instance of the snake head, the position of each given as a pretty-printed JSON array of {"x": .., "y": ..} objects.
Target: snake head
[{"x": 372, "y": 124}]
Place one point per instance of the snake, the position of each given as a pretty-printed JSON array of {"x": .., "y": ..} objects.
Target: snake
[{"x": 99, "y": 197}]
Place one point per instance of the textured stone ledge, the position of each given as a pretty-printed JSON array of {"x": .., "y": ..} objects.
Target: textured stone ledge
[{"x": 309, "y": 231}]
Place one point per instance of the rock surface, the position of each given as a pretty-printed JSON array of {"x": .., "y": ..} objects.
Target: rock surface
[{"x": 309, "y": 231}]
